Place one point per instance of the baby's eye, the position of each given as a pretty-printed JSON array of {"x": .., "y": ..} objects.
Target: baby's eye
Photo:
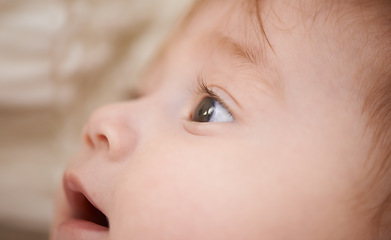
[{"x": 211, "y": 110}]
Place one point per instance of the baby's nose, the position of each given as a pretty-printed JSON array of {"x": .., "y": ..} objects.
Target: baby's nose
[{"x": 110, "y": 129}]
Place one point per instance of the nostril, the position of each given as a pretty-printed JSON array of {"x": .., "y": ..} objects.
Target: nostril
[
  {"x": 98, "y": 141},
  {"x": 102, "y": 139},
  {"x": 111, "y": 131}
]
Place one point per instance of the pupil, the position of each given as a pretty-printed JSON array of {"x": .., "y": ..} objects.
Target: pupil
[{"x": 205, "y": 110}]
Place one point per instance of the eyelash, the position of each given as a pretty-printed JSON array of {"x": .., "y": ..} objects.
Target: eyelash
[{"x": 204, "y": 89}]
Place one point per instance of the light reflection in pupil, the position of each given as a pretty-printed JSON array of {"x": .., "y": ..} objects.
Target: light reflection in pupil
[
  {"x": 209, "y": 112},
  {"x": 205, "y": 110}
]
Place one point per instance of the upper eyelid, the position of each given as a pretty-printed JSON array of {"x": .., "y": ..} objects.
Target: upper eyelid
[{"x": 204, "y": 89}]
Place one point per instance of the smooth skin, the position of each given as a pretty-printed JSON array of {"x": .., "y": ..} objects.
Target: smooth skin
[{"x": 289, "y": 165}]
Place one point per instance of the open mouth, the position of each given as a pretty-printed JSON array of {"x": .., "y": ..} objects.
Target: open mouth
[{"x": 84, "y": 209}]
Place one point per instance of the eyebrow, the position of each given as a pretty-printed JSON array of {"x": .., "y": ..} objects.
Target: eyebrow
[
  {"x": 238, "y": 50},
  {"x": 253, "y": 57}
]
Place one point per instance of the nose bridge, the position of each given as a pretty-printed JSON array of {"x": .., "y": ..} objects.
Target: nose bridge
[{"x": 112, "y": 129}]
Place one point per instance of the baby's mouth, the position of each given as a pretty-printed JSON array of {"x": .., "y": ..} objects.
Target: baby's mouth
[{"x": 83, "y": 208}]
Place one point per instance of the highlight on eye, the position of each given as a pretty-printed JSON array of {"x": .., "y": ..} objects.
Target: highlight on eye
[{"x": 211, "y": 108}]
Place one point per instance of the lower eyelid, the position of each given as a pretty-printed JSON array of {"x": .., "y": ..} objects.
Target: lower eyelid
[{"x": 206, "y": 128}]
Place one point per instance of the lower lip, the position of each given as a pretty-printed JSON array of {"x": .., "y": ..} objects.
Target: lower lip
[{"x": 77, "y": 229}]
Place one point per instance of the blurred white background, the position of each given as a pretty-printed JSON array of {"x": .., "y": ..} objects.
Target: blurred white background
[{"x": 59, "y": 60}]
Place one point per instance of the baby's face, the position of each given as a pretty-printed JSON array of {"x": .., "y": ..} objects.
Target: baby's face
[{"x": 270, "y": 148}]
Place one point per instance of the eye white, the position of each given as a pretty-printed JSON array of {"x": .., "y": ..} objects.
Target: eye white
[{"x": 220, "y": 113}]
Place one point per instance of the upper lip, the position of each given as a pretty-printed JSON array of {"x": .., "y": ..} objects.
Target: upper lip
[{"x": 82, "y": 205}]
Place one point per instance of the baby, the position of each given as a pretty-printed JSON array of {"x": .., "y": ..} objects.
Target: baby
[{"x": 259, "y": 120}]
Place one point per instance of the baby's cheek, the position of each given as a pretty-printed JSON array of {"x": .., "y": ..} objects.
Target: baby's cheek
[
  {"x": 183, "y": 196},
  {"x": 222, "y": 190}
]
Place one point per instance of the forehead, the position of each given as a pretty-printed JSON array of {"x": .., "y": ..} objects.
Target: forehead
[
  {"x": 232, "y": 28},
  {"x": 283, "y": 14},
  {"x": 229, "y": 17},
  {"x": 249, "y": 23},
  {"x": 228, "y": 27},
  {"x": 284, "y": 36}
]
